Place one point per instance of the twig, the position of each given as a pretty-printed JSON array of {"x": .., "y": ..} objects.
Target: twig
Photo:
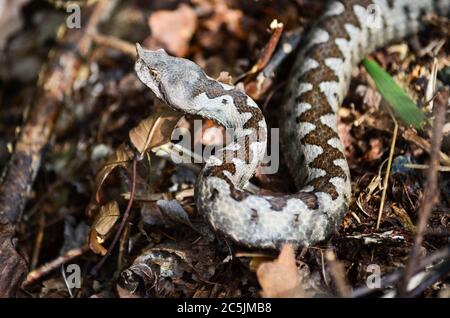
[
  {"x": 388, "y": 168},
  {"x": 115, "y": 43},
  {"x": 55, "y": 81},
  {"x": 425, "y": 167},
  {"x": 391, "y": 278},
  {"x": 38, "y": 241},
  {"x": 97, "y": 267},
  {"x": 437, "y": 273},
  {"x": 410, "y": 135},
  {"x": 431, "y": 188},
  {"x": 46, "y": 268},
  {"x": 123, "y": 246}
]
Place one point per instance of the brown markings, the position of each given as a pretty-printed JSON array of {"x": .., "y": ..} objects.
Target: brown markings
[
  {"x": 277, "y": 203},
  {"x": 254, "y": 216},
  {"x": 212, "y": 89},
  {"x": 218, "y": 171},
  {"x": 335, "y": 26}
]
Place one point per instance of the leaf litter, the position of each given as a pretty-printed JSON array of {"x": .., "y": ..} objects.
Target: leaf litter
[{"x": 110, "y": 119}]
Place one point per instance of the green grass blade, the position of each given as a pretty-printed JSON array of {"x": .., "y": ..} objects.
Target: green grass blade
[{"x": 402, "y": 104}]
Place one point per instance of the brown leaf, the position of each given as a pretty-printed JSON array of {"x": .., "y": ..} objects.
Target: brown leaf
[
  {"x": 154, "y": 131},
  {"x": 109, "y": 213},
  {"x": 94, "y": 245},
  {"x": 105, "y": 220},
  {"x": 119, "y": 159},
  {"x": 226, "y": 78},
  {"x": 404, "y": 218},
  {"x": 281, "y": 277},
  {"x": 268, "y": 50},
  {"x": 376, "y": 150},
  {"x": 223, "y": 15},
  {"x": 173, "y": 29}
]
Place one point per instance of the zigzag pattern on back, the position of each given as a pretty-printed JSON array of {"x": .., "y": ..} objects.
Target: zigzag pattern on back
[{"x": 319, "y": 81}]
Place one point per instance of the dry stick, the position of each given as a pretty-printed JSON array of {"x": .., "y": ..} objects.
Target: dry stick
[
  {"x": 388, "y": 168},
  {"x": 412, "y": 136},
  {"x": 97, "y": 267},
  {"x": 393, "y": 277},
  {"x": 46, "y": 268},
  {"x": 425, "y": 167},
  {"x": 55, "y": 81},
  {"x": 115, "y": 43},
  {"x": 38, "y": 241},
  {"x": 430, "y": 196},
  {"x": 438, "y": 272}
]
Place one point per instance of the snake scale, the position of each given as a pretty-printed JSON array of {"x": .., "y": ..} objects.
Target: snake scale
[{"x": 318, "y": 83}]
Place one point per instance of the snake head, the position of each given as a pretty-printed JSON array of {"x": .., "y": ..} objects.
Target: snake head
[{"x": 171, "y": 79}]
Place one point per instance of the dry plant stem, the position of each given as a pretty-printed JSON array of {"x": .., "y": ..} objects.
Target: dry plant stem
[
  {"x": 393, "y": 277},
  {"x": 97, "y": 267},
  {"x": 388, "y": 168},
  {"x": 55, "y": 81},
  {"x": 38, "y": 241},
  {"x": 440, "y": 271},
  {"x": 123, "y": 246},
  {"x": 431, "y": 189},
  {"x": 411, "y": 136},
  {"x": 425, "y": 167},
  {"x": 115, "y": 43},
  {"x": 46, "y": 268}
]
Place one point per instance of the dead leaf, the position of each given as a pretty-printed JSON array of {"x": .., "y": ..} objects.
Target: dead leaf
[
  {"x": 109, "y": 213},
  {"x": 281, "y": 278},
  {"x": 404, "y": 218},
  {"x": 223, "y": 15},
  {"x": 226, "y": 78},
  {"x": 173, "y": 29},
  {"x": 154, "y": 131},
  {"x": 105, "y": 220},
  {"x": 376, "y": 150},
  {"x": 268, "y": 50},
  {"x": 120, "y": 158},
  {"x": 174, "y": 211}
]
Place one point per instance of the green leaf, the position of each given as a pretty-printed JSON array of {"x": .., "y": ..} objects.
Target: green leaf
[{"x": 402, "y": 104}]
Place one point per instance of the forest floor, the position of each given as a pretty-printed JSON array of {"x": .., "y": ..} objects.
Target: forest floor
[{"x": 64, "y": 146}]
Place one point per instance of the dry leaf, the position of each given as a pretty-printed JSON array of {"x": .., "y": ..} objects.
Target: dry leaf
[
  {"x": 120, "y": 158},
  {"x": 154, "y": 131},
  {"x": 109, "y": 213},
  {"x": 174, "y": 212},
  {"x": 173, "y": 29},
  {"x": 281, "y": 277},
  {"x": 404, "y": 217},
  {"x": 225, "y": 77}
]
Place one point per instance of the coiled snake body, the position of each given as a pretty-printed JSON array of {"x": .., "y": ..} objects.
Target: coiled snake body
[{"x": 318, "y": 83}]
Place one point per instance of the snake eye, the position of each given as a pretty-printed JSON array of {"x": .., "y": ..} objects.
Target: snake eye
[{"x": 154, "y": 73}]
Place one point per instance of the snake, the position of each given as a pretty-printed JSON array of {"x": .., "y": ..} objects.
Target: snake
[{"x": 319, "y": 79}]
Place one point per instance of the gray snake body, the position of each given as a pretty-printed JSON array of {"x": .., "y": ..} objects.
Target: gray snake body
[{"x": 319, "y": 81}]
